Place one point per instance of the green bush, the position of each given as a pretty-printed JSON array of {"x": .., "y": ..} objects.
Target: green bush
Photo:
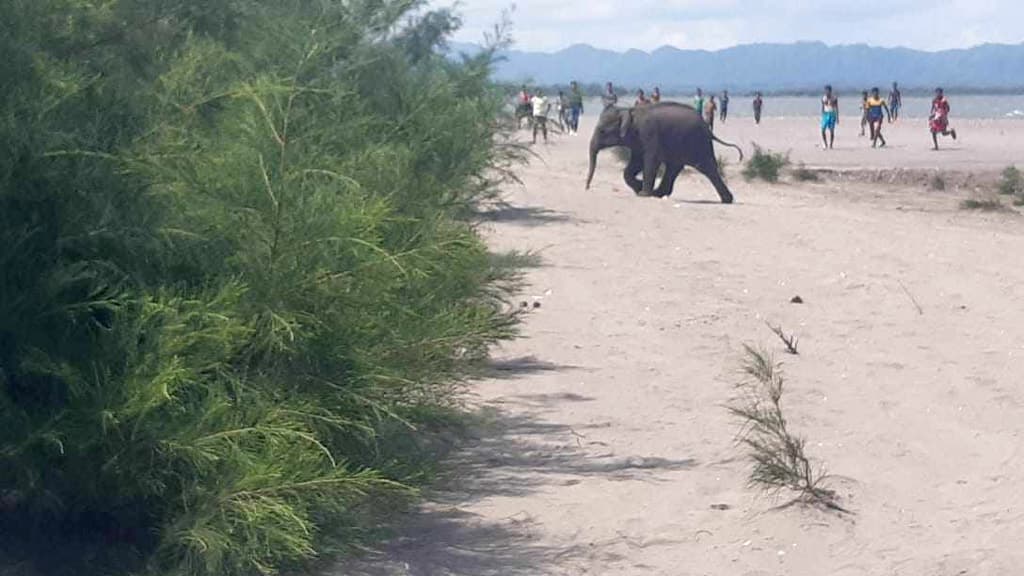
[
  {"x": 236, "y": 266},
  {"x": 765, "y": 165},
  {"x": 984, "y": 204},
  {"x": 1012, "y": 182}
]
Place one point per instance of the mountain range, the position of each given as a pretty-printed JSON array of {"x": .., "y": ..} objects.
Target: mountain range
[{"x": 768, "y": 67}]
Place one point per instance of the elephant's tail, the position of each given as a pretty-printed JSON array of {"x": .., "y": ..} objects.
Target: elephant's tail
[{"x": 729, "y": 144}]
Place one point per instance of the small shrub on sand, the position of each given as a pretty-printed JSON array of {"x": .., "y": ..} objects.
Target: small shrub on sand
[
  {"x": 765, "y": 164},
  {"x": 937, "y": 182},
  {"x": 983, "y": 204},
  {"x": 778, "y": 455},
  {"x": 1012, "y": 182},
  {"x": 802, "y": 174}
]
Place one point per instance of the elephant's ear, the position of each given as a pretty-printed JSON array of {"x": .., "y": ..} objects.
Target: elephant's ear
[{"x": 625, "y": 122}]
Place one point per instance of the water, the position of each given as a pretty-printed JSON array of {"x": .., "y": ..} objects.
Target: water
[{"x": 966, "y": 106}]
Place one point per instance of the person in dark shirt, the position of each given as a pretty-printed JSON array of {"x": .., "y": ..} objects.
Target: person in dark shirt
[
  {"x": 575, "y": 107},
  {"x": 876, "y": 112},
  {"x": 895, "y": 103}
]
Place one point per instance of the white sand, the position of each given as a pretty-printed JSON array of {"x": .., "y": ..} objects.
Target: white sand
[{"x": 610, "y": 445}]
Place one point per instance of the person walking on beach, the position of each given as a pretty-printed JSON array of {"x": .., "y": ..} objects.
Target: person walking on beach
[
  {"x": 562, "y": 111},
  {"x": 709, "y": 112},
  {"x": 575, "y": 107},
  {"x": 698, "y": 102},
  {"x": 656, "y": 95},
  {"x": 541, "y": 106},
  {"x": 829, "y": 117},
  {"x": 863, "y": 111},
  {"x": 938, "y": 120},
  {"x": 758, "y": 105},
  {"x": 522, "y": 106},
  {"x": 609, "y": 98},
  {"x": 725, "y": 105},
  {"x": 876, "y": 111},
  {"x": 895, "y": 103},
  {"x": 641, "y": 99}
]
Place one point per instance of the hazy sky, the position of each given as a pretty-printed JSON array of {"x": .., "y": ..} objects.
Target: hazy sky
[{"x": 549, "y": 25}]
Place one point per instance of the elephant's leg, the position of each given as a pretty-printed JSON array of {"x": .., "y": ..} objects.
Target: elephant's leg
[
  {"x": 709, "y": 167},
  {"x": 633, "y": 167},
  {"x": 669, "y": 179},
  {"x": 651, "y": 164}
]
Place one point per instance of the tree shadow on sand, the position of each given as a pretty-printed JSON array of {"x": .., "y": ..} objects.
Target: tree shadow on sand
[
  {"x": 513, "y": 451},
  {"x": 521, "y": 215}
]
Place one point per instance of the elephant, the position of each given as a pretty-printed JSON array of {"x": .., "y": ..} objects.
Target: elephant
[{"x": 664, "y": 133}]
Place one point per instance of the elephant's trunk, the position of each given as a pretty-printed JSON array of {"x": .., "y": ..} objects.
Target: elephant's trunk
[{"x": 593, "y": 161}]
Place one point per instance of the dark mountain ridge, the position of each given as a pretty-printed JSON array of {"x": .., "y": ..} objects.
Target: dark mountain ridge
[{"x": 770, "y": 67}]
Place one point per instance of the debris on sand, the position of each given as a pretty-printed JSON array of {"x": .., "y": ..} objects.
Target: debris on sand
[{"x": 796, "y": 300}]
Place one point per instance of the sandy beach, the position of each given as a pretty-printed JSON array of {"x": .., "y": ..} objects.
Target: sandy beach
[{"x": 607, "y": 449}]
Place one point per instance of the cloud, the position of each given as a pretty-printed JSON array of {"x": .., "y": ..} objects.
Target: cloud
[{"x": 548, "y": 25}]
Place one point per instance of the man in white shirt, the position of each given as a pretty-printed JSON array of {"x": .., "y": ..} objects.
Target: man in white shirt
[
  {"x": 541, "y": 106},
  {"x": 829, "y": 118}
]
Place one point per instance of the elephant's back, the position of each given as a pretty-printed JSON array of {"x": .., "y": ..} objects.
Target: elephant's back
[{"x": 673, "y": 105}]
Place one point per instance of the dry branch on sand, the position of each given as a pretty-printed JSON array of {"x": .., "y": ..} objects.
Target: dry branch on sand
[
  {"x": 777, "y": 454},
  {"x": 789, "y": 340}
]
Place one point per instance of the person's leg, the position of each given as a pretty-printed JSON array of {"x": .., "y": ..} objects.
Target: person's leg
[
  {"x": 935, "y": 140},
  {"x": 535, "y": 126},
  {"x": 831, "y": 136},
  {"x": 879, "y": 133},
  {"x": 544, "y": 127}
]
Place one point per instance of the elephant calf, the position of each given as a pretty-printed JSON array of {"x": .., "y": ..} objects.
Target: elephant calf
[{"x": 665, "y": 133}]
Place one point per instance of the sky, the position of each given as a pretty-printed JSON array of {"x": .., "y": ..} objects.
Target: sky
[{"x": 549, "y": 25}]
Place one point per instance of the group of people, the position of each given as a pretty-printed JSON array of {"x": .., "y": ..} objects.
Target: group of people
[
  {"x": 709, "y": 107},
  {"x": 875, "y": 110},
  {"x": 537, "y": 107}
]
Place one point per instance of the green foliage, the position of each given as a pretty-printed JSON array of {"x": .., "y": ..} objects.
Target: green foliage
[
  {"x": 765, "y": 165},
  {"x": 779, "y": 461},
  {"x": 993, "y": 204},
  {"x": 238, "y": 278},
  {"x": 1011, "y": 182}
]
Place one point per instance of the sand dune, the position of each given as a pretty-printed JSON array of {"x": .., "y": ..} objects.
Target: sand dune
[{"x": 609, "y": 450}]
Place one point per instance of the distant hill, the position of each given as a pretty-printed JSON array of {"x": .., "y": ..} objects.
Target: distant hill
[{"x": 770, "y": 67}]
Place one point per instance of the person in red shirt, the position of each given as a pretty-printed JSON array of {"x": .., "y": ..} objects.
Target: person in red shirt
[{"x": 938, "y": 120}]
